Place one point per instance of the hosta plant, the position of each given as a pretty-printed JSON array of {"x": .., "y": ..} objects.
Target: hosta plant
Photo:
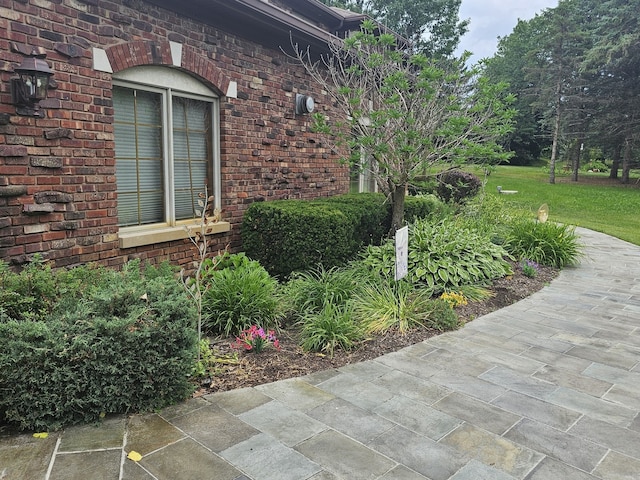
[{"x": 443, "y": 256}]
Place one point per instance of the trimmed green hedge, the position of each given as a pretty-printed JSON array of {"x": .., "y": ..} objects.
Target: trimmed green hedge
[
  {"x": 288, "y": 235},
  {"x": 127, "y": 344},
  {"x": 295, "y": 235}
]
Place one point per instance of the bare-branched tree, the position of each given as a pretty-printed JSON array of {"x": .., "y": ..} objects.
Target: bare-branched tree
[{"x": 400, "y": 114}]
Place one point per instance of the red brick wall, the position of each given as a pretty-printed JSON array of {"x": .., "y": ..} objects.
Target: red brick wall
[{"x": 57, "y": 174}]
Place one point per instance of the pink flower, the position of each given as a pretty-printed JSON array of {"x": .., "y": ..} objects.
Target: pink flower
[{"x": 254, "y": 339}]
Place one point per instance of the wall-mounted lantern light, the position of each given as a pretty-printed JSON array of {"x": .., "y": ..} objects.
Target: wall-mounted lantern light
[
  {"x": 304, "y": 104},
  {"x": 30, "y": 86}
]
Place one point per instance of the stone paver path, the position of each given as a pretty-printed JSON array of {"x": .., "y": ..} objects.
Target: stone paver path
[{"x": 546, "y": 389}]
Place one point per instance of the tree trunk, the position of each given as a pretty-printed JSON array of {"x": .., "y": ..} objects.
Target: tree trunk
[
  {"x": 626, "y": 161},
  {"x": 576, "y": 159},
  {"x": 556, "y": 133},
  {"x": 397, "y": 208},
  {"x": 615, "y": 165}
]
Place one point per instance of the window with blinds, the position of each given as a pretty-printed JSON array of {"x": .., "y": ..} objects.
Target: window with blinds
[{"x": 164, "y": 154}]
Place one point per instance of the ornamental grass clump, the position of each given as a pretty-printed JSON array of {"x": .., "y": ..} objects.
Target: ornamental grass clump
[
  {"x": 311, "y": 290},
  {"x": 548, "y": 243},
  {"x": 239, "y": 295},
  {"x": 332, "y": 327},
  {"x": 382, "y": 306}
]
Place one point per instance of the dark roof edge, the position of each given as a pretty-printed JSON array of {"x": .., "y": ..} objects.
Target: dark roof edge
[{"x": 281, "y": 16}]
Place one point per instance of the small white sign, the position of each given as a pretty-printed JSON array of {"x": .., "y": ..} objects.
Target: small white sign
[{"x": 402, "y": 252}]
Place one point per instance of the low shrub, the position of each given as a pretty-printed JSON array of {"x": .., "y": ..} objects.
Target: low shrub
[
  {"x": 368, "y": 212},
  {"x": 238, "y": 296},
  {"x": 126, "y": 344},
  {"x": 298, "y": 235},
  {"x": 546, "y": 243},
  {"x": 457, "y": 186},
  {"x": 441, "y": 316},
  {"x": 30, "y": 294}
]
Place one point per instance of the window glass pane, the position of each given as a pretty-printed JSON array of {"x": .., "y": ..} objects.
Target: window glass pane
[
  {"x": 139, "y": 157},
  {"x": 125, "y": 140},
  {"x": 191, "y": 137},
  {"x": 149, "y": 142}
]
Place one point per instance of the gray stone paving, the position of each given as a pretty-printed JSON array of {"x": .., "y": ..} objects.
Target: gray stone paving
[{"x": 546, "y": 389}]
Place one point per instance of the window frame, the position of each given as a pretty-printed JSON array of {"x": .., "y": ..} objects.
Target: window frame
[{"x": 167, "y": 82}]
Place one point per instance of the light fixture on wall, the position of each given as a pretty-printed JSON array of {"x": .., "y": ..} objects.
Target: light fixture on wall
[
  {"x": 304, "y": 104},
  {"x": 30, "y": 86}
]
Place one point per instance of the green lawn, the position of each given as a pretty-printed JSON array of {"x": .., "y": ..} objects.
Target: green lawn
[{"x": 611, "y": 209}]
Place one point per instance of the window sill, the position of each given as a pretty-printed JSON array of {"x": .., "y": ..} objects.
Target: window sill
[{"x": 150, "y": 236}]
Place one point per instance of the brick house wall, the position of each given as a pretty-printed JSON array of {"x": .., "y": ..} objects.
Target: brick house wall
[{"x": 57, "y": 174}]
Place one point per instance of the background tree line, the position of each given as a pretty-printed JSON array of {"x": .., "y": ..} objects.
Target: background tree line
[{"x": 575, "y": 70}]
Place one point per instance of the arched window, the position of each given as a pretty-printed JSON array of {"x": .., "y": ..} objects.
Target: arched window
[{"x": 166, "y": 127}]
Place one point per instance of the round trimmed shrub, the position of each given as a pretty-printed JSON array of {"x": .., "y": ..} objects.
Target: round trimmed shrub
[{"x": 457, "y": 186}]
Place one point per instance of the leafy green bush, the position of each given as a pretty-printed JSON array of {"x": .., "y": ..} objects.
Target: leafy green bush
[
  {"x": 238, "y": 296},
  {"x": 456, "y": 186},
  {"x": 441, "y": 316},
  {"x": 127, "y": 343},
  {"x": 443, "y": 256},
  {"x": 368, "y": 213},
  {"x": 425, "y": 206},
  {"x": 333, "y": 326},
  {"x": 491, "y": 215},
  {"x": 298, "y": 235},
  {"x": 594, "y": 166},
  {"x": 546, "y": 243}
]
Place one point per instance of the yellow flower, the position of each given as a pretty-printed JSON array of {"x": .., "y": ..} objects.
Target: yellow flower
[{"x": 454, "y": 298}]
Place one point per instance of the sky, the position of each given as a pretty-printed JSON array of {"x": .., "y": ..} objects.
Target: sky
[{"x": 491, "y": 19}]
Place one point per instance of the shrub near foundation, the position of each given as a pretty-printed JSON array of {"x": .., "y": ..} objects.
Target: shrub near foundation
[
  {"x": 298, "y": 235},
  {"x": 290, "y": 235},
  {"x": 127, "y": 344}
]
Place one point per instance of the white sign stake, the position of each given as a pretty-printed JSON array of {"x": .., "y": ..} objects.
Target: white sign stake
[{"x": 402, "y": 252}]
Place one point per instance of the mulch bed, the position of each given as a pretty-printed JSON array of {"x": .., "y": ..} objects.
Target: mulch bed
[{"x": 250, "y": 369}]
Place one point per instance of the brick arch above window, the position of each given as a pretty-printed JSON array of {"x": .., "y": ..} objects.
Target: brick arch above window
[{"x": 140, "y": 52}]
